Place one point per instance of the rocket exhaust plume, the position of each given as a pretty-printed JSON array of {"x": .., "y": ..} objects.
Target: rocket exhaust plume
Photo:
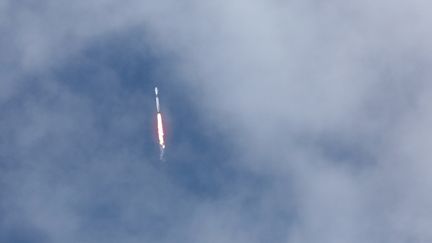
[{"x": 160, "y": 129}]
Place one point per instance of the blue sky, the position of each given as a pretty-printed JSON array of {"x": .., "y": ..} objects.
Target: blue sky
[{"x": 290, "y": 122}]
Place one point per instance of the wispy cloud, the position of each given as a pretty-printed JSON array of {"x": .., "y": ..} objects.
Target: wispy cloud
[{"x": 310, "y": 121}]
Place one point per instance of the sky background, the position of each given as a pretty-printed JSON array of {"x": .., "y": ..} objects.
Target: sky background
[{"x": 286, "y": 121}]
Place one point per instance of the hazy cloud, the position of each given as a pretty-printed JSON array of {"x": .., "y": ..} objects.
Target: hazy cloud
[{"x": 293, "y": 121}]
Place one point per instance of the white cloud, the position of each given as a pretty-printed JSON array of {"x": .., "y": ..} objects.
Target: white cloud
[{"x": 285, "y": 81}]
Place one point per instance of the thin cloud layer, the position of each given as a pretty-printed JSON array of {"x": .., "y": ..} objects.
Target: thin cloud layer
[{"x": 310, "y": 121}]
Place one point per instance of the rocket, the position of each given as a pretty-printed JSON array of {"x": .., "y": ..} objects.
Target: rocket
[
  {"x": 157, "y": 99},
  {"x": 160, "y": 129}
]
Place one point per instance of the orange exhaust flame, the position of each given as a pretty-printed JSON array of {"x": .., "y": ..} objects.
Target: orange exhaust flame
[{"x": 160, "y": 132}]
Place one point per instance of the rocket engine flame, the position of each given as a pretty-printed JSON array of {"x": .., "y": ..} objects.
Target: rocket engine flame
[{"x": 160, "y": 130}]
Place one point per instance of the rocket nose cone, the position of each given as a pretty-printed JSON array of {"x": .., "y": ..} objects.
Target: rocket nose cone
[{"x": 156, "y": 90}]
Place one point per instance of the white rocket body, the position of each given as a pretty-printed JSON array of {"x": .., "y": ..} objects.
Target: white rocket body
[{"x": 157, "y": 99}]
